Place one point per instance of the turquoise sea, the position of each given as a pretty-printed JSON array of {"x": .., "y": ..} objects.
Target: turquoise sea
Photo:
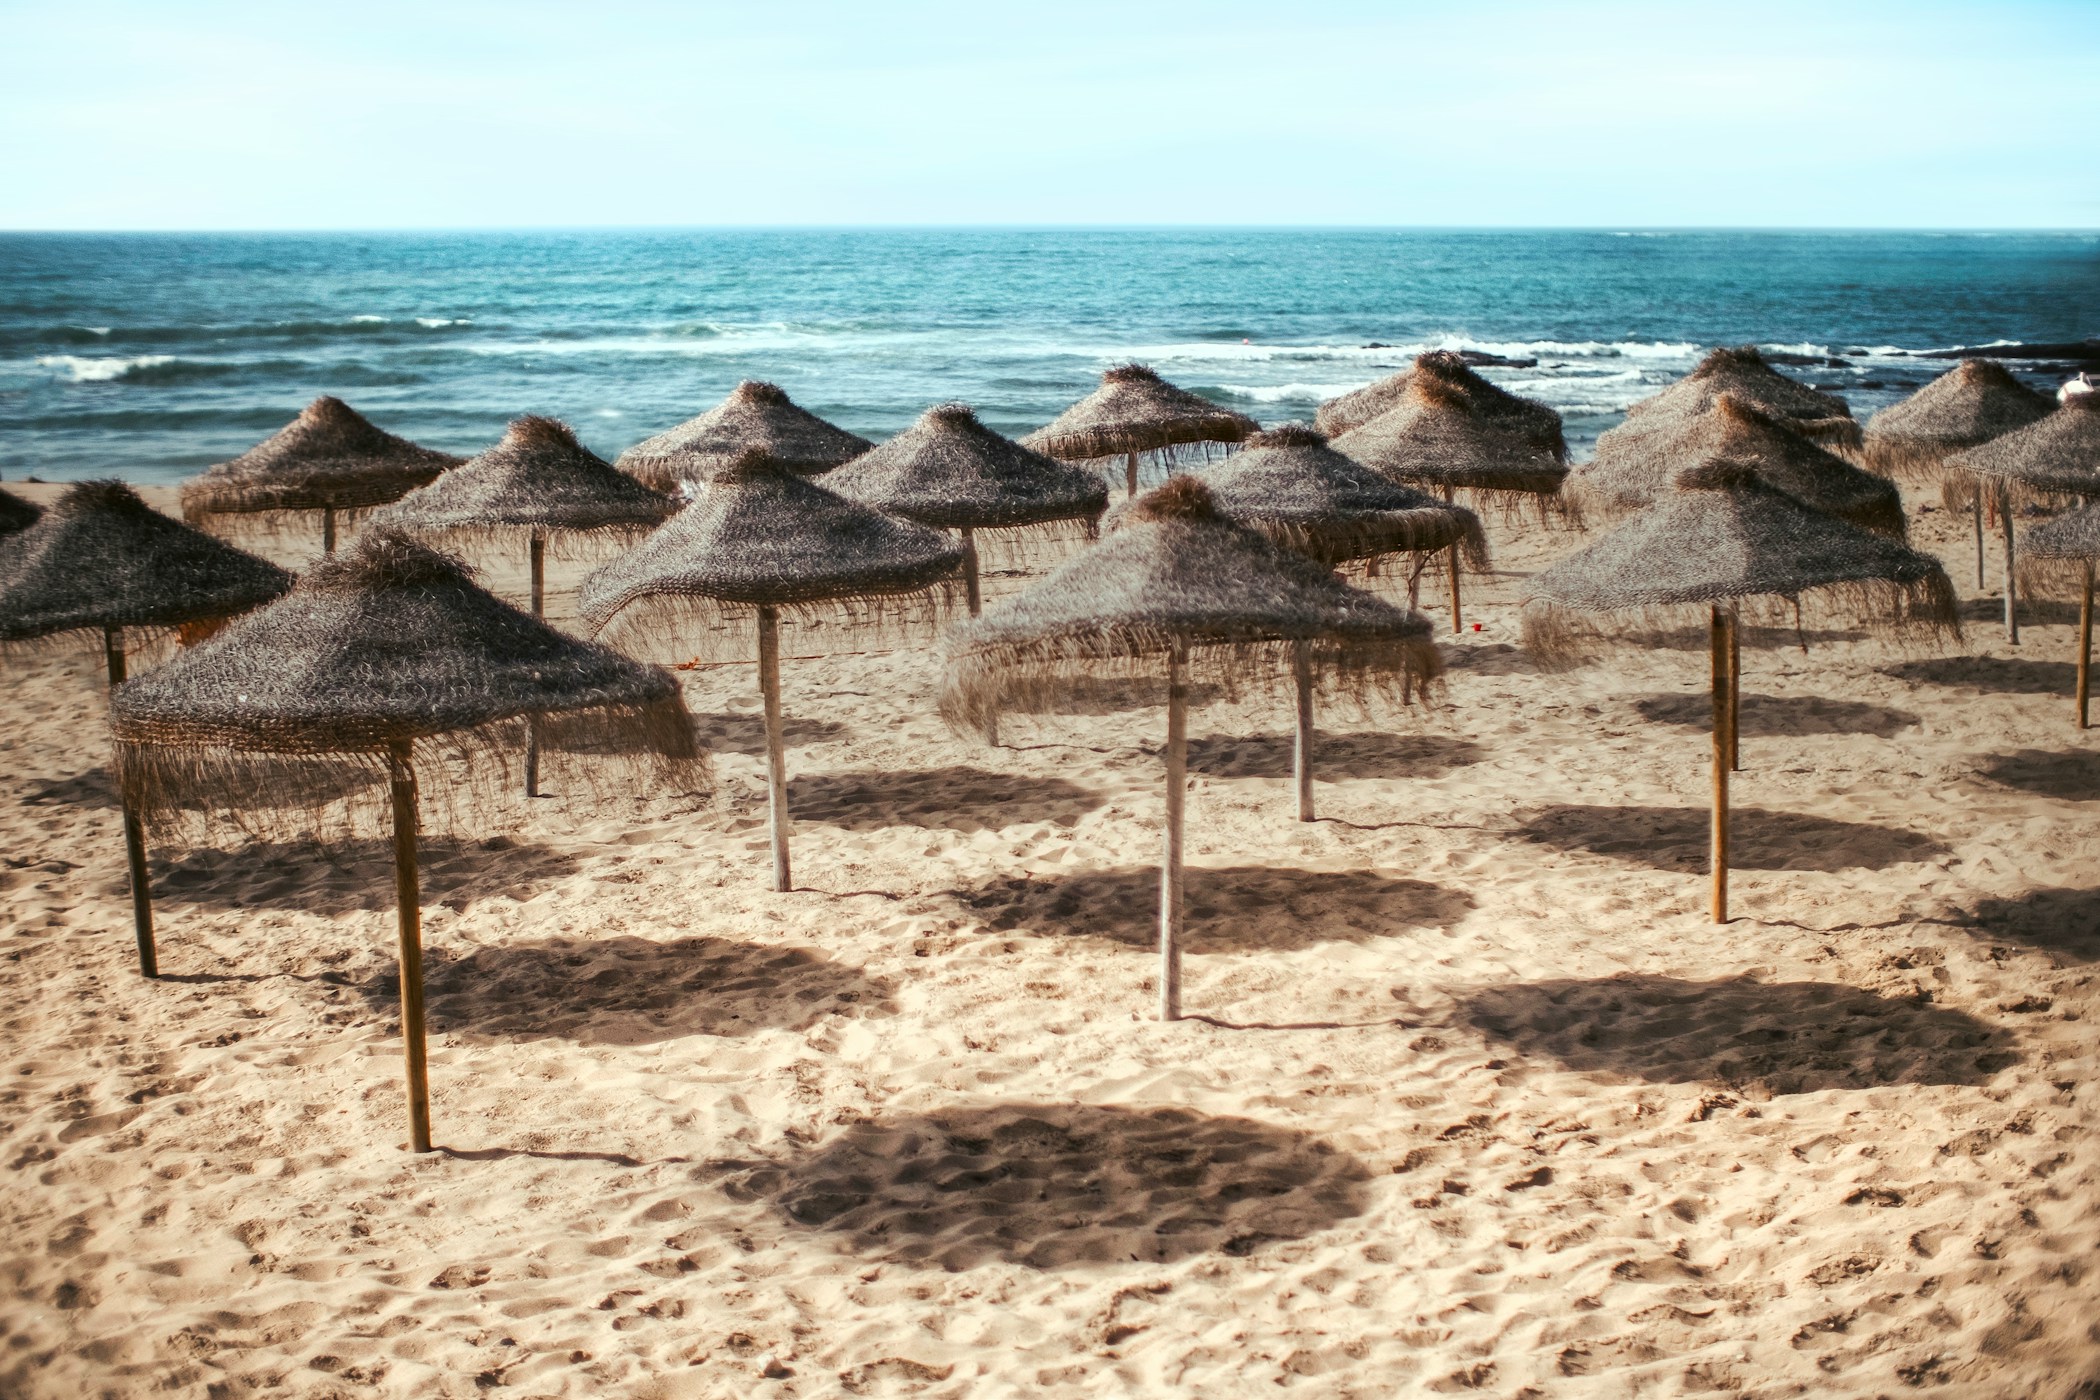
[{"x": 149, "y": 356}]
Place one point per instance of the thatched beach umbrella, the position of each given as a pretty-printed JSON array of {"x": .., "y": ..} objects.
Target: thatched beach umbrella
[
  {"x": 2054, "y": 457},
  {"x": 1722, "y": 543},
  {"x": 757, "y": 542},
  {"x": 756, "y": 416},
  {"x": 2063, "y": 553},
  {"x": 1967, "y": 406},
  {"x": 16, "y": 513},
  {"x": 950, "y": 472},
  {"x": 1635, "y": 470},
  {"x": 1537, "y": 423},
  {"x": 1287, "y": 483},
  {"x": 538, "y": 483},
  {"x": 1177, "y": 587},
  {"x": 102, "y": 560},
  {"x": 383, "y": 656},
  {"x": 1134, "y": 413},
  {"x": 329, "y": 459},
  {"x": 1742, "y": 371}
]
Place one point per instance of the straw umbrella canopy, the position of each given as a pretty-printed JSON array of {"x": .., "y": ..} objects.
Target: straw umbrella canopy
[
  {"x": 101, "y": 560},
  {"x": 1723, "y": 543},
  {"x": 1133, "y": 413},
  {"x": 1741, "y": 371},
  {"x": 1634, "y": 471},
  {"x": 1537, "y": 423},
  {"x": 755, "y": 415},
  {"x": 950, "y": 472},
  {"x": 382, "y": 657},
  {"x": 1177, "y": 587},
  {"x": 2060, "y": 554},
  {"x": 330, "y": 458},
  {"x": 538, "y": 483},
  {"x": 1289, "y": 485},
  {"x": 2051, "y": 458},
  {"x": 757, "y": 542},
  {"x": 16, "y": 513}
]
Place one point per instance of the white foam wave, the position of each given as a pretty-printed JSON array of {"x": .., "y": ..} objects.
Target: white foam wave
[
  {"x": 1289, "y": 393},
  {"x": 95, "y": 369},
  {"x": 369, "y": 319},
  {"x": 440, "y": 322},
  {"x": 93, "y": 330},
  {"x": 1226, "y": 352}
]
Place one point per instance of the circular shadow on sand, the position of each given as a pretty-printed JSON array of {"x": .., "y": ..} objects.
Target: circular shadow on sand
[
  {"x": 1336, "y": 757},
  {"x": 957, "y": 796},
  {"x": 1676, "y": 838},
  {"x": 1782, "y": 1037},
  {"x": 1229, "y": 909},
  {"x": 746, "y": 734},
  {"x": 94, "y": 788},
  {"x": 1999, "y": 674},
  {"x": 2063, "y": 922},
  {"x": 340, "y": 877},
  {"x": 1053, "y": 1186},
  {"x": 1772, "y": 714},
  {"x": 632, "y": 991},
  {"x": 2073, "y": 776}
]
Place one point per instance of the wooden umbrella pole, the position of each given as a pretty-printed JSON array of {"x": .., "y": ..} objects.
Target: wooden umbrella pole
[
  {"x": 408, "y": 905},
  {"x": 1735, "y": 690},
  {"x": 2012, "y": 607},
  {"x": 1301, "y": 667},
  {"x": 972, "y": 588},
  {"x": 134, "y": 832},
  {"x": 538, "y": 556},
  {"x": 1976, "y": 511},
  {"x": 328, "y": 529},
  {"x": 1177, "y": 756},
  {"x": 776, "y": 747},
  {"x": 1456, "y": 623},
  {"x": 1724, "y": 741},
  {"x": 2085, "y": 646},
  {"x": 1130, "y": 474}
]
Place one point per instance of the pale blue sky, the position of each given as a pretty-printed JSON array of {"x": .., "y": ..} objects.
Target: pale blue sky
[{"x": 220, "y": 114}]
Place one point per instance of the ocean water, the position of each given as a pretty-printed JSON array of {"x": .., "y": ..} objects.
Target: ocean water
[{"x": 150, "y": 356}]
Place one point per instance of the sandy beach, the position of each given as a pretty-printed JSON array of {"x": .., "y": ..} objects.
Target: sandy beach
[{"x": 1475, "y": 1097}]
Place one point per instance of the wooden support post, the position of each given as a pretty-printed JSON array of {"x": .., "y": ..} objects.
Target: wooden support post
[
  {"x": 1301, "y": 666},
  {"x": 776, "y": 746},
  {"x": 1976, "y": 510},
  {"x": 1735, "y": 690},
  {"x": 408, "y": 906},
  {"x": 2012, "y": 607},
  {"x": 134, "y": 832},
  {"x": 538, "y": 557},
  {"x": 1724, "y": 722},
  {"x": 2085, "y": 646},
  {"x": 1457, "y": 624},
  {"x": 328, "y": 529},
  {"x": 1170, "y": 886},
  {"x": 972, "y": 588},
  {"x": 1130, "y": 474}
]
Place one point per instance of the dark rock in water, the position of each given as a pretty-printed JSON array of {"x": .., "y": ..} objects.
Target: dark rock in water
[
  {"x": 1790, "y": 357},
  {"x": 1471, "y": 357},
  {"x": 1377, "y": 345},
  {"x": 2084, "y": 353}
]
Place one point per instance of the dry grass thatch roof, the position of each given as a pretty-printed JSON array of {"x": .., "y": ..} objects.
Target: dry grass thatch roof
[
  {"x": 1434, "y": 435},
  {"x": 101, "y": 557},
  {"x": 2055, "y": 555},
  {"x": 329, "y": 456},
  {"x": 1742, "y": 371},
  {"x": 2057, "y": 455},
  {"x": 538, "y": 478},
  {"x": 1135, "y": 410},
  {"x": 1177, "y": 573},
  {"x": 1290, "y": 485},
  {"x": 1972, "y": 403},
  {"x": 756, "y": 416},
  {"x": 1537, "y": 423},
  {"x": 16, "y": 513},
  {"x": 760, "y": 535},
  {"x": 384, "y": 643},
  {"x": 1721, "y": 535},
  {"x": 1633, "y": 469},
  {"x": 950, "y": 472}
]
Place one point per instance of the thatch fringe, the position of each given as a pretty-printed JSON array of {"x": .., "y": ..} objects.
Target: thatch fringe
[
  {"x": 1135, "y": 410},
  {"x": 695, "y": 627}
]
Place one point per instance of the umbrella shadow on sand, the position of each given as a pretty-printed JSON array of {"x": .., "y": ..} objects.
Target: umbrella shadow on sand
[
  {"x": 1781, "y": 1037},
  {"x": 1053, "y": 1186},
  {"x": 94, "y": 788},
  {"x": 2074, "y": 776},
  {"x": 1998, "y": 674},
  {"x": 957, "y": 796},
  {"x": 2063, "y": 922},
  {"x": 746, "y": 734},
  {"x": 631, "y": 991},
  {"x": 1772, "y": 714},
  {"x": 1336, "y": 757},
  {"x": 1230, "y": 909},
  {"x": 341, "y": 877},
  {"x": 1676, "y": 838}
]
